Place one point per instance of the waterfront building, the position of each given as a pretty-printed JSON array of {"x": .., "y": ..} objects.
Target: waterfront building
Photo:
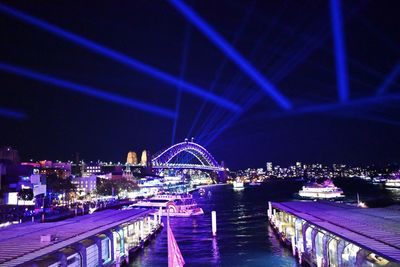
[
  {"x": 143, "y": 158},
  {"x": 333, "y": 234},
  {"x": 90, "y": 169},
  {"x": 85, "y": 185},
  {"x": 132, "y": 158},
  {"x": 101, "y": 239},
  {"x": 47, "y": 167}
]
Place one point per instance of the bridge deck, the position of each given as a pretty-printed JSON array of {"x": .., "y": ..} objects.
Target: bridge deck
[
  {"x": 375, "y": 229},
  {"x": 21, "y": 243}
]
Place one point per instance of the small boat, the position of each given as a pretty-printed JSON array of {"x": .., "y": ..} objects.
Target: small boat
[
  {"x": 326, "y": 190},
  {"x": 209, "y": 194},
  {"x": 379, "y": 180},
  {"x": 255, "y": 183},
  {"x": 180, "y": 205}
]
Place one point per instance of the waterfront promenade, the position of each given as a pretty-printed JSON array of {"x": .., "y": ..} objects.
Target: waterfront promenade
[
  {"x": 334, "y": 234},
  {"x": 99, "y": 239}
]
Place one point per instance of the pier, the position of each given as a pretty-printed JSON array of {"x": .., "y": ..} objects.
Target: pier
[
  {"x": 334, "y": 234},
  {"x": 101, "y": 239}
]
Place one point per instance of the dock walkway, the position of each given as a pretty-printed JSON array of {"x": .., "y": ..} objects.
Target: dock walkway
[
  {"x": 371, "y": 234},
  {"x": 22, "y": 243}
]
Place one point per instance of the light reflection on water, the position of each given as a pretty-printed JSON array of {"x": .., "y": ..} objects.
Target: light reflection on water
[
  {"x": 244, "y": 237},
  {"x": 242, "y": 233}
]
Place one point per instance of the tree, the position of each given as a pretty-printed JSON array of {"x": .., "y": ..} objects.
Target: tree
[
  {"x": 56, "y": 185},
  {"x": 106, "y": 187},
  {"x": 25, "y": 194}
]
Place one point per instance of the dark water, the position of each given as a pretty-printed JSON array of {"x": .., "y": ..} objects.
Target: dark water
[{"x": 244, "y": 237}]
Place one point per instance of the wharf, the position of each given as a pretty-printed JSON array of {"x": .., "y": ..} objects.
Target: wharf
[
  {"x": 335, "y": 234},
  {"x": 100, "y": 239}
]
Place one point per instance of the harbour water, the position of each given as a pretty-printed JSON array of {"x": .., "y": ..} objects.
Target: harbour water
[{"x": 244, "y": 237}]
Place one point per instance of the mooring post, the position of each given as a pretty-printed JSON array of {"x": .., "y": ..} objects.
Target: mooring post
[{"x": 214, "y": 223}]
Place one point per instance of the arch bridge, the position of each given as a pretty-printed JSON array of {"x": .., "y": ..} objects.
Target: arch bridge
[{"x": 163, "y": 160}]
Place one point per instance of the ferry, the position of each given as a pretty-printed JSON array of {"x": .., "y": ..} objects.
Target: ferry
[
  {"x": 326, "y": 190},
  {"x": 238, "y": 185},
  {"x": 180, "y": 205},
  {"x": 393, "y": 182}
]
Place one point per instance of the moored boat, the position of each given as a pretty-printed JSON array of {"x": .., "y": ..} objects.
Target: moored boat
[
  {"x": 395, "y": 183},
  {"x": 180, "y": 205}
]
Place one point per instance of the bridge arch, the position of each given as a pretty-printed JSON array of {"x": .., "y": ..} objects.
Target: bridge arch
[{"x": 206, "y": 160}]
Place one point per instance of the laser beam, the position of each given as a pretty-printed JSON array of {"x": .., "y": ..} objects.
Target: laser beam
[
  {"x": 389, "y": 80},
  {"x": 231, "y": 53},
  {"x": 94, "y": 92},
  {"x": 120, "y": 57},
  {"x": 185, "y": 52},
  {"x": 340, "y": 50},
  {"x": 12, "y": 114}
]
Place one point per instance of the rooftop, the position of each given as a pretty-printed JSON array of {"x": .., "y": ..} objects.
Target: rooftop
[
  {"x": 375, "y": 229},
  {"x": 21, "y": 243}
]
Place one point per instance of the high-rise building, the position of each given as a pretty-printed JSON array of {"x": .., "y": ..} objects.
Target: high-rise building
[
  {"x": 132, "y": 158},
  {"x": 269, "y": 167}
]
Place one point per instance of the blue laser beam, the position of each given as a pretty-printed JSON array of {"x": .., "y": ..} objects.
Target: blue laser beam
[
  {"x": 280, "y": 71},
  {"x": 292, "y": 61},
  {"x": 231, "y": 53},
  {"x": 389, "y": 80},
  {"x": 12, "y": 114},
  {"x": 121, "y": 58},
  {"x": 340, "y": 50},
  {"x": 94, "y": 92},
  {"x": 185, "y": 52},
  {"x": 222, "y": 65},
  {"x": 329, "y": 107}
]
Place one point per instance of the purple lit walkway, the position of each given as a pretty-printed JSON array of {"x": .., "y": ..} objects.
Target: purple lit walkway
[
  {"x": 21, "y": 243},
  {"x": 375, "y": 229}
]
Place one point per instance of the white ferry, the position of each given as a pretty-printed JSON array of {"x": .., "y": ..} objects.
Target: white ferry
[
  {"x": 182, "y": 205},
  {"x": 395, "y": 183},
  {"x": 326, "y": 190}
]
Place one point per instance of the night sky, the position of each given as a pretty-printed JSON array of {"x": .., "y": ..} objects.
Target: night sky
[{"x": 289, "y": 42}]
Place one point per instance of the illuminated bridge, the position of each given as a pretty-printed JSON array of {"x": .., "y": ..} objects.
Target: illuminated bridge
[{"x": 206, "y": 162}]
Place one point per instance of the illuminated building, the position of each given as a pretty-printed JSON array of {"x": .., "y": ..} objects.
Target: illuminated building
[
  {"x": 143, "y": 159},
  {"x": 132, "y": 158},
  {"x": 269, "y": 167},
  {"x": 91, "y": 169},
  {"x": 61, "y": 169},
  {"x": 85, "y": 185}
]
